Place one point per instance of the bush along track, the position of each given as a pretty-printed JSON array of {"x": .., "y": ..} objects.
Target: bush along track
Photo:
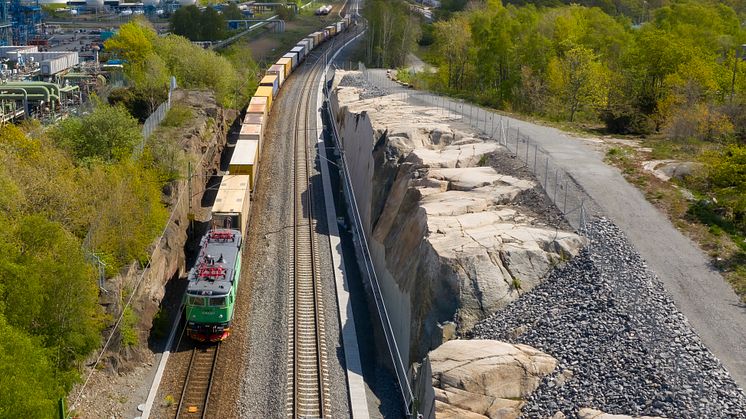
[{"x": 623, "y": 346}]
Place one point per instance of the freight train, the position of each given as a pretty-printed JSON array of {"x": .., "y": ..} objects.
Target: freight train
[{"x": 213, "y": 282}]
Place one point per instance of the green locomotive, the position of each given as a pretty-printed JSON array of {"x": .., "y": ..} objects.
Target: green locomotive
[{"x": 213, "y": 283}]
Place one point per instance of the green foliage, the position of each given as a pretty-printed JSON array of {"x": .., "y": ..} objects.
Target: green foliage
[
  {"x": 286, "y": 13},
  {"x": 676, "y": 74},
  {"x": 393, "y": 32},
  {"x": 177, "y": 116},
  {"x": 725, "y": 178},
  {"x": 28, "y": 388},
  {"x": 196, "y": 25},
  {"x": 155, "y": 58},
  {"x": 109, "y": 133},
  {"x": 134, "y": 213},
  {"x": 232, "y": 12},
  {"x": 128, "y": 329}
]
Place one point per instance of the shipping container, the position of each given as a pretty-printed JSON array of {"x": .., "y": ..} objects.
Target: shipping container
[
  {"x": 271, "y": 80},
  {"x": 300, "y": 51},
  {"x": 232, "y": 203},
  {"x": 265, "y": 91},
  {"x": 308, "y": 43},
  {"x": 258, "y": 106},
  {"x": 288, "y": 64},
  {"x": 254, "y": 118},
  {"x": 306, "y": 47},
  {"x": 294, "y": 57},
  {"x": 279, "y": 71},
  {"x": 311, "y": 42},
  {"x": 332, "y": 30},
  {"x": 340, "y": 26},
  {"x": 252, "y": 132},
  {"x": 245, "y": 160},
  {"x": 318, "y": 38}
]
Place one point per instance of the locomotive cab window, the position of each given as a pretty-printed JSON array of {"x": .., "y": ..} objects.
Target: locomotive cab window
[
  {"x": 196, "y": 301},
  {"x": 217, "y": 301}
]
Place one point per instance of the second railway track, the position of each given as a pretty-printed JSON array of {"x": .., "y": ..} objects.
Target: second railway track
[{"x": 308, "y": 377}]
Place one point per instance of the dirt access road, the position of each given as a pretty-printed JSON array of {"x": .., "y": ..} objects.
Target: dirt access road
[{"x": 699, "y": 291}]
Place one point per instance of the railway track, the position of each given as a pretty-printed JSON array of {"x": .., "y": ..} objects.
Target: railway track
[
  {"x": 307, "y": 393},
  {"x": 198, "y": 381}
]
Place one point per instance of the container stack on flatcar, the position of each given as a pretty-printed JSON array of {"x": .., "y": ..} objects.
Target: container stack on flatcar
[{"x": 213, "y": 282}]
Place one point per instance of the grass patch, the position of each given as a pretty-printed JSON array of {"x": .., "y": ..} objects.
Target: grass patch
[
  {"x": 701, "y": 220},
  {"x": 177, "y": 116}
]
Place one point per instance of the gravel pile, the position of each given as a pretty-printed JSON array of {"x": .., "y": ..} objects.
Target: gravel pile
[
  {"x": 368, "y": 89},
  {"x": 622, "y": 345}
]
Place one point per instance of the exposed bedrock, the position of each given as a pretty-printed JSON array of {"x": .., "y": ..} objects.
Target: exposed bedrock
[{"x": 447, "y": 237}]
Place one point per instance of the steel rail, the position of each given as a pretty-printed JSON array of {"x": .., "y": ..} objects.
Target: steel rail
[{"x": 195, "y": 394}]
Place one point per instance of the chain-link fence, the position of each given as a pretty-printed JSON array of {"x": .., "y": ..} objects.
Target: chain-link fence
[{"x": 559, "y": 186}]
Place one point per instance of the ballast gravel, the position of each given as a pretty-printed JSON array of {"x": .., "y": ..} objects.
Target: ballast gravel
[{"x": 622, "y": 345}]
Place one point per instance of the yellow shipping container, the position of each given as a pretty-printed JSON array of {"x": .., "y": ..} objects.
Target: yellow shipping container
[
  {"x": 288, "y": 63},
  {"x": 245, "y": 160},
  {"x": 265, "y": 91}
]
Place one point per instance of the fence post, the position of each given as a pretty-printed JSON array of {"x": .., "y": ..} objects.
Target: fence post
[
  {"x": 564, "y": 206},
  {"x": 536, "y": 151},
  {"x": 556, "y": 173}
]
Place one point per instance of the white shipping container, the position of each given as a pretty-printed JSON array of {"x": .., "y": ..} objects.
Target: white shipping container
[
  {"x": 293, "y": 57},
  {"x": 300, "y": 52},
  {"x": 253, "y": 118},
  {"x": 252, "y": 132},
  {"x": 307, "y": 43},
  {"x": 279, "y": 71},
  {"x": 311, "y": 42},
  {"x": 233, "y": 202}
]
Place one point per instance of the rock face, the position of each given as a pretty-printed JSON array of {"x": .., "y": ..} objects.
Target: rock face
[
  {"x": 485, "y": 378},
  {"x": 447, "y": 238}
]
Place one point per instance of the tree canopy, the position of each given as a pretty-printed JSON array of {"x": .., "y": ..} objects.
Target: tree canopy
[
  {"x": 193, "y": 66},
  {"x": 196, "y": 25}
]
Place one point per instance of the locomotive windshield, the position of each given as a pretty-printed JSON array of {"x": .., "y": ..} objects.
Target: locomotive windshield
[
  {"x": 217, "y": 301},
  {"x": 196, "y": 301}
]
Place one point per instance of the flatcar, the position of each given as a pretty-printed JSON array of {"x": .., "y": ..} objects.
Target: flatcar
[{"x": 213, "y": 283}]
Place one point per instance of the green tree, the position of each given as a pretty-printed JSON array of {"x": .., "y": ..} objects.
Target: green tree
[
  {"x": 577, "y": 79},
  {"x": 133, "y": 43},
  {"x": 232, "y": 12},
  {"x": 185, "y": 21},
  {"x": 28, "y": 388},
  {"x": 108, "y": 133},
  {"x": 454, "y": 50},
  {"x": 212, "y": 24}
]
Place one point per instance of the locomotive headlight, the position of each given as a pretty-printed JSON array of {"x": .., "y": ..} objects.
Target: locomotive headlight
[{"x": 220, "y": 316}]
